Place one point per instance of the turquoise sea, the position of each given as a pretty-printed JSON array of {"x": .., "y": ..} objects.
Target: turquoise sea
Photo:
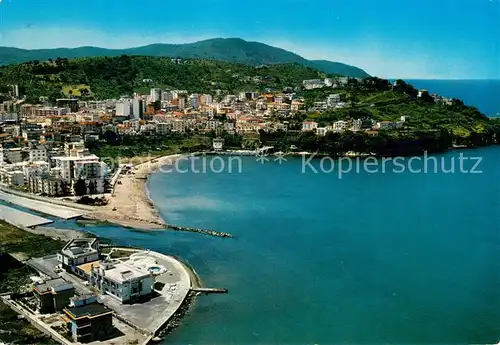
[{"x": 369, "y": 258}]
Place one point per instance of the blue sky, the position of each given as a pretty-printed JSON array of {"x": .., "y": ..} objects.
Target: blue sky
[{"x": 448, "y": 39}]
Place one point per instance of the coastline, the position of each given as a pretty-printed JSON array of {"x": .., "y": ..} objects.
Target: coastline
[{"x": 130, "y": 204}]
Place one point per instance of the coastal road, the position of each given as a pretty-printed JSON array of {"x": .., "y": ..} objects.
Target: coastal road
[
  {"x": 20, "y": 218},
  {"x": 40, "y": 206}
]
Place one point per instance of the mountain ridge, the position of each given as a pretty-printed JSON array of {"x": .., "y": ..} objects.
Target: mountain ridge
[{"x": 224, "y": 49}]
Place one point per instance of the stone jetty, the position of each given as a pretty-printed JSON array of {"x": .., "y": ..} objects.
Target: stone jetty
[{"x": 198, "y": 230}]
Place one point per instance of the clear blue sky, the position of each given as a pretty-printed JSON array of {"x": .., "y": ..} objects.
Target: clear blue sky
[{"x": 388, "y": 38}]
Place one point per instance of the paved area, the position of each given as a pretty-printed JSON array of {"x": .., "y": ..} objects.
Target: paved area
[
  {"x": 150, "y": 315},
  {"x": 153, "y": 314},
  {"x": 20, "y": 218},
  {"x": 40, "y": 206},
  {"x": 45, "y": 265}
]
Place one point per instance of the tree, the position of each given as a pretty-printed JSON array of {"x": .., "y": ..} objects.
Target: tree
[
  {"x": 92, "y": 187},
  {"x": 80, "y": 187},
  {"x": 107, "y": 185},
  {"x": 84, "y": 92}
]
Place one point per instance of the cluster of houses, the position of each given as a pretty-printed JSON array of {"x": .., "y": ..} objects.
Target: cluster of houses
[
  {"x": 53, "y": 169},
  {"x": 334, "y": 83},
  {"x": 86, "y": 318},
  {"x": 362, "y": 124}
]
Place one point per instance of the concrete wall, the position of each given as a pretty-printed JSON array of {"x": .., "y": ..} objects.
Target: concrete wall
[{"x": 36, "y": 323}]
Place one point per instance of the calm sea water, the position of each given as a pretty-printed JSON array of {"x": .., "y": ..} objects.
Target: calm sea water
[
  {"x": 482, "y": 94},
  {"x": 369, "y": 258}
]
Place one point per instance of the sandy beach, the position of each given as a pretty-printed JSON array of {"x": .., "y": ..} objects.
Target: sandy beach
[{"x": 130, "y": 204}]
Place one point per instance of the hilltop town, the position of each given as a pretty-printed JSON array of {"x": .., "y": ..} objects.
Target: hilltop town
[{"x": 63, "y": 145}]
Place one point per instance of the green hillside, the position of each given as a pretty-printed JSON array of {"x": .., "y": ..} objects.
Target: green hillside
[
  {"x": 115, "y": 76},
  {"x": 230, "y": 49}
]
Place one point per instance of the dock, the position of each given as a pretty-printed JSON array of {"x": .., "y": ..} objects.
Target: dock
[
  {"x": 20, "y": 218},
  {"x": 208, "y": 290}
]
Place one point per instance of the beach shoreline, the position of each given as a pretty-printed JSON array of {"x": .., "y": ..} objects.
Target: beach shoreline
[{"x": 130, "y": 204}]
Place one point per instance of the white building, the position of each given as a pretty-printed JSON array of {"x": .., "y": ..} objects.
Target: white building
[
  {"x": 167, "y": 96},
  {"x": 340, "y": 125},
  {"x": 313, "y": 84},
  {"x": 178, "y": 93},
  {"x": 38, "y": 154},
  {"x": 163, "y": 128},
  {"x": 309, "y": 126},
  {"x": 194, "y": 101},
  {"x": 218, "y": 143},
  {"x": 178, "y": 125},
  {"x": 75, "y": 148},
  {"x": 332, "y": 100},
  {"x": 77, "y": 252},
  {"x": 212, "y": 124},
  {"x": 88, "y": 168},
  {"x": 155, "y": 95},
  {"x": 121, "y": 280},
  {"x": 46, "y": 184},
  {"x": 12, "y": 175},
  {"x": 137, "y": 109},
  {"x": 321, "y": 131},
  {"x": 123, "y": 108}
]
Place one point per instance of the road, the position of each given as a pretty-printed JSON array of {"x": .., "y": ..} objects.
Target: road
[{"x": 40, "y": 206}]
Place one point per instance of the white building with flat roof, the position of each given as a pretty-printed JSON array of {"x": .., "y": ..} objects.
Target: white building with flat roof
[
  {"x": 154, "y": 95},
  {"x": 122, "y": 281},
  {"x": 123, "y": 108},
  {"x": 340, "y": 125},
  {"x": 309, "y": 126},
  {"x": 66, "y": 165},
  {"x": 38, "y": 154}
]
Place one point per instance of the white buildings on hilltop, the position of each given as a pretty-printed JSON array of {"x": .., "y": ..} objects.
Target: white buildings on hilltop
[
  {"x": 340, "y": 125},
  {"x": 313, "y": 84},
  {"x": 332, "y": 100}
]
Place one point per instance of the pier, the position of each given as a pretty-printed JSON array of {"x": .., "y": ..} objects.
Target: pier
[
  {"x": 20, "y": 218},
  {"x": 41, "y": 206},
  {"x": 209, "y": 290}
]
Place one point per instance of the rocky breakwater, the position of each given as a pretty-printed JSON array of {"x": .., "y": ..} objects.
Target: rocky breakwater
[{"x": 198, "y": 230}]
